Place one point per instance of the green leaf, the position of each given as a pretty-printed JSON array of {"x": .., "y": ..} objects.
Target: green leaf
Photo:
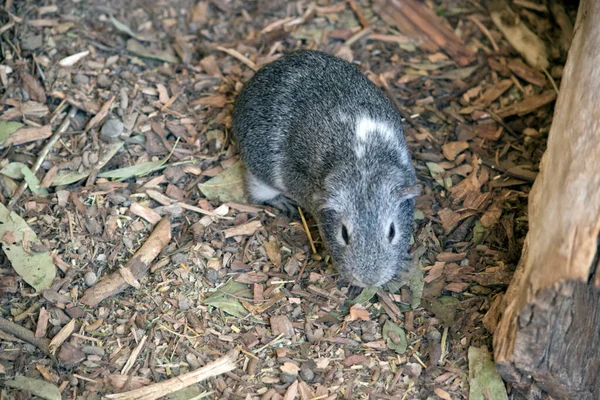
[
  {"x": 7, "y": 128},
  {"x": 226, "y": 298},
  {"x": 122, "y": 27},
  {"x": 33, "y": 182},
  {"x": 37, "y": 387},
  {"x": 365, "y": 295},
  {"x": 134, "y": 170},
  {"x": 484, "y": 380},
  {"x": 436, "y": 171},
  {"x": 227, "y": 186},
  {"x": 37, "y": 269},
  {"x": 480, "y": 232},
  {"x": 137, "y": 48},
  {"x": 68, "y": 177},
  {"x": 393, "y": 332},
  {"x": 13, "y": 170}
]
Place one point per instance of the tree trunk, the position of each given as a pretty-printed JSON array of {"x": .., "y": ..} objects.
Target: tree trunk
[{"x": 549, "y": 335}]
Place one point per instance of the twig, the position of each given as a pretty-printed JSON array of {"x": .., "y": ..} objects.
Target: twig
[
  {"x": 485, "y": 31},
  {"x": 218, "y": 367},
  {"x": 139, "y": 265},
  {"x": 361, "y": 17},
  {"x": 239, "y": 56},
  {"x": 507, "y": 173},
  {"x": 24, "y": 334},
  {"x": 310, "y": 239},
  {"x": 43, "y": 154}
]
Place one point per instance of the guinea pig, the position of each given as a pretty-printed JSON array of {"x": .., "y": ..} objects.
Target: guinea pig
[{"x": 314, "y": 132}]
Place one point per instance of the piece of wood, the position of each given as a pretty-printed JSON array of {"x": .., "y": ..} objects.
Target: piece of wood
[
  {"x": 138, "y": 265},
  {"x": 549, "y": 334},
  {"x": 417, "y": 21}
]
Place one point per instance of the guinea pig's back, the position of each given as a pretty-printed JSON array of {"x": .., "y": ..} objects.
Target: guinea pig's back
[{"x": 298, "y": 117}]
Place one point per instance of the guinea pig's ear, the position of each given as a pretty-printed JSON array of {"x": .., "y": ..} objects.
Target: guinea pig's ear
[{"x": 404, "y": 193}]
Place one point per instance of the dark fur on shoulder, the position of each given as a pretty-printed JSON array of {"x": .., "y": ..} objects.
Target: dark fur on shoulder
[{"x": 314, "y": 131}]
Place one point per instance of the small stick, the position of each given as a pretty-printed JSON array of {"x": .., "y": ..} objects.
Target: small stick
[
  {"x": 507, "y": 173},
  {"x": 24, "y": 334},
  {"x": 361, "y": 17},
  {"x": 218, "y": 367},
  {"x": 43, "y": 154},
  {"x": 485, "y": 31},
  {"x": 239, "y": 56},
  {"x": 310, "y": 239}
]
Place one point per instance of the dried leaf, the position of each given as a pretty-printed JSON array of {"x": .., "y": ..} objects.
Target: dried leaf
[
  {"x": 37, "y": 269},
  {"x": 452, "y": 149},
  {"x": 33, "y": 182},
  {"x": 290, "y": 368},
  {"x": 37, "y": 387},
  {"x": 226, "y": 298},
  {"x": 137, "y": 48},
  {"x": 227, "y": 186},
  {"x": 394, "y": 336},
  {"x": 359, "y": 312},
  {"x": 365, "y": 295},
  {"x": 484, "y": 380},
  {"x": 33, "y": 87},
  {"x": 7, "y": 128},
  {"x": 273, "y": 251}
]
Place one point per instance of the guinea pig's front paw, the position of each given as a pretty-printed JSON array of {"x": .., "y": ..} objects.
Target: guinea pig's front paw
[{"x": 286, "y": 205}]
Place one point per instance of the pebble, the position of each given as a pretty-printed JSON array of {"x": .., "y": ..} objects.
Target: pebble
[
  {"x": 74, "y": 381},
  {"x": 307, "y": 373},
  {"x": 103, "y": 81},
  {"x": 212, "y": 274},
  {"x": 184, "y": 303},
  {"x": 413, "y": 369},
  {"x": 111, "y": 130},
  {"x": 93, "y": 350},
  {"x": 90, "y": 278},
  {"x": 178, "y": 258},
  {"x": 81, "y": 79},
  {"x": 287, "y": 378}
]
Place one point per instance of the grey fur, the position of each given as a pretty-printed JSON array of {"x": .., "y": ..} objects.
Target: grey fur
[{"x": 296, "y": 125}]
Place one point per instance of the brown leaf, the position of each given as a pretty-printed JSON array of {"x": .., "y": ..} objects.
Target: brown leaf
[
  {"x": 358, "y": 312},
  {"x": 272, "y": 249},
  {"x": 442, "y": 394},
  {"x": 456, "y": 287},
  {"x": 281, "y": 325},
  {"x": 33, "y": 87},
  {"x": 452, "y": 149},
  {"x": 291, "y": 392},
  {"x": 163, "y": 94},
  {"x": 525, "y": 72},
  {"x": 494, "y": 92},
  {"x": 290, "y": 368},
  {"x": 27, "y": 135},
  {"x": 354, "y": 359},
  {"x": 435, "y": 272}
]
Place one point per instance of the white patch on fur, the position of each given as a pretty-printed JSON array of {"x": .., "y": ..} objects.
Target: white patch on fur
[
  {"x": 259, "y": 190},
  {"x": 365, "y": 129}
]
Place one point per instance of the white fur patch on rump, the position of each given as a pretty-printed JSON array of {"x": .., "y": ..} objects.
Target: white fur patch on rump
[{"x": 259, "y": 190}]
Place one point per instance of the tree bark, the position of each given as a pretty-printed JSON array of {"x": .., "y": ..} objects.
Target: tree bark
[{"x": 549, "y": 334}]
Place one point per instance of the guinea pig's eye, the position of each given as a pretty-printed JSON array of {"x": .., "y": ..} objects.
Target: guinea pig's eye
[
  {"x": 391, "y": 232},
  {"x": 345, "y": 237}
]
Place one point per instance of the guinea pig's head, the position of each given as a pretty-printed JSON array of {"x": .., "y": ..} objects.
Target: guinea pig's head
[{"x": 366, "y": 221}]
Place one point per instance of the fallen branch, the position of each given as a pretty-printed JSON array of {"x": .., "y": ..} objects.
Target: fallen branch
[
  {"x": 218, "y": 367},
  {"x": 138, "y": 266},
  {"x": 24, "y": 334}
]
